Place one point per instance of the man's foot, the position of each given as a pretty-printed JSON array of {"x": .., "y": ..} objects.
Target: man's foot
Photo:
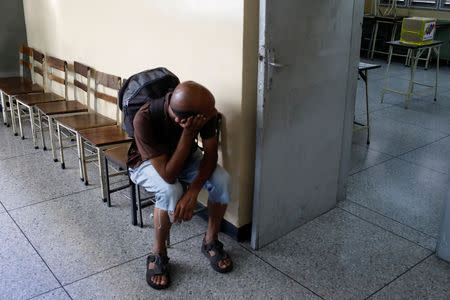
[
  {"x": 157, "y": 271},
  {"x": 219, "y": 259}
]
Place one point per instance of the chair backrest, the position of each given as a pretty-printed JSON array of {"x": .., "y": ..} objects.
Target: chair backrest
[
  {"x": 82, "y": 71},
  {"x": 38, "y": 68},
  {"x": 25, "y": 59},
  {"x": 111, "y": 82},
  {"x": 53, "y": 64},
  {"x": 218, "y": 126}
]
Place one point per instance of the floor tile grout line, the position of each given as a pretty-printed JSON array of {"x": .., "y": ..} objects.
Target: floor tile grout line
[
  {"x": 363, "y": 114},
  {"x": 37, "y": 252},
  {"x": 411, "y": 123},
  {"x": 18, "y": 156},
  {"x": 387, "y": 217},
  {"x": 130, "y": 260},
  {"x": 41, "y": 294},
  {"x": 423, "y": 146},
  {"x": 398, "y": 156},
  {"x": 375, "y": 165},
  {"x": 285, "y": 274},
  {"x": 59, "y": 198},
  {"x": 366, "y": 147},
  {"x": 423, "y": 166},
  {"x": 301, "y": 225},
  {"x": 387, "y": 230},
  {"x": 406, "y": 271}
]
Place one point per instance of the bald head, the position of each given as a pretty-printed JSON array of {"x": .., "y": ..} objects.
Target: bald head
[{"x": 192, "y": 98}]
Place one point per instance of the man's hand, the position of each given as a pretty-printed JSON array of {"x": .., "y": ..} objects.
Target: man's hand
[
  {"x": 185, "y": 206},
  {"x": 192, "y": 124}
]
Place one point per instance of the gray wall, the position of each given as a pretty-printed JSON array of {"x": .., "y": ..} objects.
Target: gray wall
[{"x": 12, "y": 34}]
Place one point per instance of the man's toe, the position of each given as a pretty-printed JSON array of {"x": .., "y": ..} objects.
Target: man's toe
[{"x": 159, "y": 280}]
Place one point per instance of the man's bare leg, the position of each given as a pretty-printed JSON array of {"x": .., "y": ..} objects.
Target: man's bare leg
[
  {"x": 216, "y": 212},
  {"x": 162, "y": 228}
]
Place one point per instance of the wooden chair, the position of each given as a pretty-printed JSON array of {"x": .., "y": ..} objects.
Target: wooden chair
[
  {"x": 118, "y": 157},
  {"x": 47, "y": 112},
  {"x": 25, "y": 60},
  {"x": 28, "y": 101},
  {"x": 101, "y": 139},
  {"x": 74, "y": 124},
  {"x": 13, "y": 87}
]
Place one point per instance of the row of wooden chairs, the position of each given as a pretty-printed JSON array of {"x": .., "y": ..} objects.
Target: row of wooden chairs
[
  {"x": 62, "y": 116},
  {"x": 65, "y": 118}
]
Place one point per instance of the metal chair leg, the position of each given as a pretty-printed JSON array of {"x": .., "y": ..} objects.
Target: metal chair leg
[
  {"x": 101, "y": 172},
  {"x": 427, "y": 63},
  {"x": 438, "y": 54},
  {"x": 4, "y": 109},
  {"x": 80, "y": 159},
  {"x": 13, "y": 115},
  {"x": 108, "y": 190},
  {"x": 44, "y": 147},
  {"x": 83, "y": 161},
  {"x": 386, "y": 76},
  {"x": 416, "y": 55},
  {"x": 19, "y": 117},
  {"x": 61, "y": 147},
  {"x": 51, "y": 132},
  {"x": 139, "y": 205},
  {"x": 33, "y": 127},
  {"x": 133, "y": 202},
  {"x": 168, "y": 240}
]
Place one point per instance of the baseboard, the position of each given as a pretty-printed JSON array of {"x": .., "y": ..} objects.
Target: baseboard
[{"x": 240, "y": 234}]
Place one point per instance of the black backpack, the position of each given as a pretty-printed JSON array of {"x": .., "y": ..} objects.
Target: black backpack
[{"x": 142, "y": 87}]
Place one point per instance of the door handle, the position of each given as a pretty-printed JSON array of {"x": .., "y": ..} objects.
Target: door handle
[
  {"x": 271, "y": 65},
  {"x": 275, "y": 65}
]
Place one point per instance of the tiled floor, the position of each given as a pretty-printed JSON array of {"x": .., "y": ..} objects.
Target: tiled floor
[{"x": 59, "y": 241}]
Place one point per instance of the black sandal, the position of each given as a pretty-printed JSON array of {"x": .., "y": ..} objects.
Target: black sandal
[
  {"x": 161, "y": 268},
  {"x": 220, "y": 254}
]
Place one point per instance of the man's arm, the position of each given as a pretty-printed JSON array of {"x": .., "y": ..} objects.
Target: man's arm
[
  {"x": 169, "y": 169},
  {"x": 207, "y": 165},
  {"x": 186, "y": 205}
]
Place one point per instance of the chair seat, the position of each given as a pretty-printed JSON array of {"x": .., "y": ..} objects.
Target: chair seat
[
  {"x": 61, "y": 107},
  {"x": 118, "y": 155},
  {"x": 80, "y": 122},
  {"x": 33, "y": 99},
  {"x": 105, "y": 136},
  {"x": 19, "y": 89}
]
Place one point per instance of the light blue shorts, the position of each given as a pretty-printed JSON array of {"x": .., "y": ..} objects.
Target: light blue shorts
[{"x": 167, "y": 195}]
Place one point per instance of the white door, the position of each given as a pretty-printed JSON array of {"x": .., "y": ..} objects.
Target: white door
[{"x": 307, "y": 70}]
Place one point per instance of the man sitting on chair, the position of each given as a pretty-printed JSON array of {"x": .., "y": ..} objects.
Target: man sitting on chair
[{"x": 165, "y": 153}]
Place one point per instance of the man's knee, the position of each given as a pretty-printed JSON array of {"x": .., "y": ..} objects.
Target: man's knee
[
  {"x": 171, "y": 191},
  {"x": 221, "y": 179},
  {"x": 220, "y": 186}
]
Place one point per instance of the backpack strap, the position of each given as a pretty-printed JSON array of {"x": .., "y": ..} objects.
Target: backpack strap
[{"x": 157, "y": 110}]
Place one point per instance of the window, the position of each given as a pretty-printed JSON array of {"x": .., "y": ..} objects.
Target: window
[
  {"x": 424, "y": 3},
  {"x": 420, "y": 4},
  {"x": 389, "y": 2},
  {"x": 445, "y": 4}
]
